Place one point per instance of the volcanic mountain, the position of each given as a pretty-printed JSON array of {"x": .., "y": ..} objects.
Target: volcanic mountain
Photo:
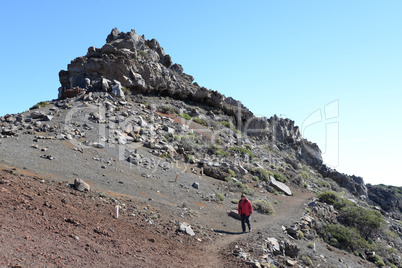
[{"x": 131, "y": 133}]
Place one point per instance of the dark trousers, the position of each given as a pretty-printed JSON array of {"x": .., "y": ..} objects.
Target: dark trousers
[{"x": 245, "y": 220}]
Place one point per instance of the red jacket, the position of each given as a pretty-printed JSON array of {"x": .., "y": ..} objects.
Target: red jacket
[{"x": 245, "y": 207}]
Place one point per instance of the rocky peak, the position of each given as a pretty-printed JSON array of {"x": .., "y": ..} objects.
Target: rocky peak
[{"x": 130, "y": 64}]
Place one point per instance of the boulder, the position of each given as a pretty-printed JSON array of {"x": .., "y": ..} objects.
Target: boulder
[
  {"x": 105, "y": 84},
  {"x": 215, "y": 172},
  {"x": 10, "y": 130},
  {"x": 186, "y": 228},
  {"x": 168, "y": 129},
  {"x": 48, "y": 117},
  {"x": 117, "y": 90},
  {"x": 128, "y": 128},
  {"x": 274, "y": 246},
  {"x": 37, "y": 115},
  {"x": 98, "y": 145},
  {"x": 280, "y": 186},
  {"x": 293, "y": 231},
  {"x": 291, "y": 249},
  {"x": 81, "y": 185}
]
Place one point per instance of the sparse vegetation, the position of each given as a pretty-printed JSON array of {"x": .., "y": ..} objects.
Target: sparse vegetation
[
  {"x": 220, "y": 197},
  {"x": 242, "y": 150},
  {"x": 261, "y": 173},
  {"x": 378, "y": 260},
  {"x": 228, "y": 179},
  {"x": 229, "y": 125},
  {"x": 39, "y": 104},
  {"x": 263, "y": 206},
  {"x": 185, "y": 116},
  {"x": 328, "y": 197},
  {"x": 279, "y": 176},
  {"x": 166, "y": 155},
  {"x": 126, "y": 90},
  {"x": 218, "y": 151},
  {"x": 167, "y": 110},
  {"x": 190, "y": 159},
  {"x": 200, "y": 121},
  {"x": 307, "y": 261},
  {"x": 366, "y": 221},
  {"x": 221, "y": 153},
  {"x": 232, "y": 173},
  {"x": 356, "y": 228},
  {"x": 300, "y": 234},
  {"x": 344, "y": 237}
]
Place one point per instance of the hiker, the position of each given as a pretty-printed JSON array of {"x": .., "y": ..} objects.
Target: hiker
[{"x": 245, "y": 209}]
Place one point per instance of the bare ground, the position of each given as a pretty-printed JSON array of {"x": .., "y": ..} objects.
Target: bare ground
[{"x": 46, "y": 223}]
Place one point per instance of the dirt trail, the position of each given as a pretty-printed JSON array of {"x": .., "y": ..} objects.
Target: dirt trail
[{"x": 289, "y": 210}]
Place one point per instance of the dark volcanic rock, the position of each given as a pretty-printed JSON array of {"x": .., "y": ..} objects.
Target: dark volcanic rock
[
  {"x": 389, "y": 198},
  {"x": 353, "y": 183}
]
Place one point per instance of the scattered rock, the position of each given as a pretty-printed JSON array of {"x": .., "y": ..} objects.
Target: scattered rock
[
  {"x": 98, "y": 145},
  {"x": 291, "y": 249},
  {"x": 274, "y": 246},
  {"x": 49, "y": 157},
  {"x": 81, "y": 185},
  {"x": 37, "y": 115},
  {"x": 47, "y": 117},
  {"x": 196, "y": 185},
  {"x": 186, "y": 228}
]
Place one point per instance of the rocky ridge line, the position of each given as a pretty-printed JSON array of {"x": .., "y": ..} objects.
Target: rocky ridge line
[{"x": 130, "y": 62}]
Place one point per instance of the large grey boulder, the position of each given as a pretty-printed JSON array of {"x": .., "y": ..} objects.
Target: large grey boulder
[
  {"x": 280, "y": 186},
  {"x": 37, "y": 115},
  {"x": 81, "y": 185},
  {"x": 117, "y": 90}
]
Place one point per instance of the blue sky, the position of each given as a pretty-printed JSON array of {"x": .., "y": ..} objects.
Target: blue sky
[{"x": 334, "y": 67}]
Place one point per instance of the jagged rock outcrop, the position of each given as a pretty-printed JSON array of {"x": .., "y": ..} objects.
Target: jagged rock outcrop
[
  {"x": 137, "y": 64},
  {"x": 389, "y": 198},
  {"x": 353, "y": 183},
  {"x": 128, "y": 61}
]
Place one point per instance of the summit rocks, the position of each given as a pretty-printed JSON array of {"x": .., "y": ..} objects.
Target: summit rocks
[{"x": 128, "y": 63}]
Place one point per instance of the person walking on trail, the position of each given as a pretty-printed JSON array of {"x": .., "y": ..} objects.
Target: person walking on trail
[{"x": 245, "y": 209}]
